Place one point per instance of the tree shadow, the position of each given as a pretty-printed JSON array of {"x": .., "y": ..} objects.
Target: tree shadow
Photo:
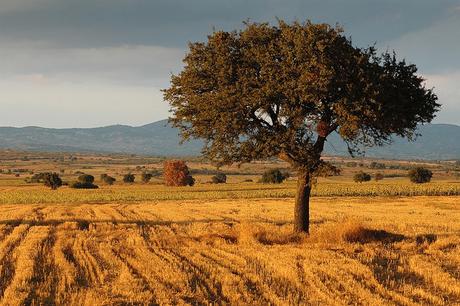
[{"x": 366, "y": 235}]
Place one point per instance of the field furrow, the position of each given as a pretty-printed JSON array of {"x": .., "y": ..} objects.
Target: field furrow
[{"x": 226, "y": 252}]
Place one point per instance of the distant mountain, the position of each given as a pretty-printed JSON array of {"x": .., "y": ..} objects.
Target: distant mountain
[
  {"x": 438, "y": 141},
  {"x": 157, "y": 138}
]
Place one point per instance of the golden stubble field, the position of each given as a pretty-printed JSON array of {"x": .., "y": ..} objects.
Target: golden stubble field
[{"x": 362, "y": 250}]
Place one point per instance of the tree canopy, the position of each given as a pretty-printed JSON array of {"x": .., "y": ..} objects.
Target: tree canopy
[{"x": 280, "y": 90}]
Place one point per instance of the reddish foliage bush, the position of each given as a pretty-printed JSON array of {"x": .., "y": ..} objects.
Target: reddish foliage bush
[{"x": 176, "y": 173}]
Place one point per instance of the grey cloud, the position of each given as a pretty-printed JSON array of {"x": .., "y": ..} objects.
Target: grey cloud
[
  {"x": 123, "y": 65},
  {"x": 174, "y": 22},
  {"x": 54, "y": 53},
  {"x": 435, "y": 48}
]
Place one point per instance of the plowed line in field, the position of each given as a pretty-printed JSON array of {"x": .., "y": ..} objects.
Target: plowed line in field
[
  {"x": 200, "y": 278},
  {"x": 138, "y": 275},
  {"x": 255, "y": 294},
  {"x": 313, "y": 283},
  {"x": 282, "y": 287},
  {"x": 170, "y": 261},
  {"x": 443, "y": 282},
  {"x": 274, "y": 287},
  {"x": 24, "y": 259},
  {"x": 7, "y": 248},
  {"x": 86, "y": 261},
  {"x": 44, "y": 279},
  {"x": 374, "y": 282}
]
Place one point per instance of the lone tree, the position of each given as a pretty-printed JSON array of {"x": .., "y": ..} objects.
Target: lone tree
[
  {"x": 362, "y": 177},
  {"x": 176, "y": 173},
  {"x": 420, "y": 175},
  {"x": 267, "y": 91},
  {"x": 52, "y": 180}
]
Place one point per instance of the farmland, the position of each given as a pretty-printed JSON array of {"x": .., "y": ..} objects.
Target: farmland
[{"x": 375, "y": 243}]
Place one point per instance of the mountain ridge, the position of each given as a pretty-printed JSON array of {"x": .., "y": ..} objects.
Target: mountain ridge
[{"x": 438, "y": 141}]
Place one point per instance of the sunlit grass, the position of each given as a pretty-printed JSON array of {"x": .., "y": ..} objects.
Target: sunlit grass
[{"x": 152, "y": 192}]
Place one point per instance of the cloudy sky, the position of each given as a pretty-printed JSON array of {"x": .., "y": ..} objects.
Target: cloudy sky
[{"x": 86, "y": 63}]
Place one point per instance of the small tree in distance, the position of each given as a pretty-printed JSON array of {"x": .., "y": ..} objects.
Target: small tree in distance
[
  {"x": 84, "y": 181},
  {"x": 146, "y": 177},
  {"x": 129, "y": 178},
  {"x": 176, "y": 173},
  {"x": 420, "y": 175},
  {"x": 219, "y": 178},
  {"x": 279, "y": 91},
  {"x": 107, "y": 179},
  {"x": 51, "y": 180},
  {"x": 273, "y": 176},
  {"x": 379, "y": 176},
  {"x": 362, "y": 177}
]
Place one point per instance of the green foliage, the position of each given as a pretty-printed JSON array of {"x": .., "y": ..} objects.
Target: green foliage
[
  {"x": 376, "y": 165},
  {"x": 362, "y": 177},
  {"x": 36, "y": 178},
  {"x": 219, "y": 178},
  {"x": 146, "y": 177},
  {"x": 279, "y": 91},
  {"x": 129, "y": 178},
  {"x": 189, "y": 180},
  {"x": 86, "y": 179},
  {"x": 83, "y": 185},
  {"x": 108, "y": 179},
  {"x": 273, "y": 176},
  {"x": 52, "y": 180},
  {"x": 420, "y": 175}
]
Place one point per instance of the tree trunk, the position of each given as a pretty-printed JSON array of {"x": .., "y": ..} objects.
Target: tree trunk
[{"x": 302, "y": 203}]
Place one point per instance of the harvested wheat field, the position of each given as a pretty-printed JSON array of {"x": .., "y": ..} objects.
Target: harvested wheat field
[{"x": 367, "y": 251}]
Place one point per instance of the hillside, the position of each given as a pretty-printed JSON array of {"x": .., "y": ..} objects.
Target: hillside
[{"x": 438, "y": 141}]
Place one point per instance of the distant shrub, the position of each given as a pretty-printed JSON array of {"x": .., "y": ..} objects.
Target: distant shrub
[
  {"x": 273, "y": 176},
  {"x": 376, "y": 165},
  {"x": 361, "y": 177},
  {"x": 379, "y": 176},
  {"x": 176, "y": 173},
  {"x": 108, "y": 179},
  {"x": 420, "y": 175},
  {"x": 52, "y": 180},
  {"x": 36, "y": 178},
  {"x": 80, "y": 185},
  {"x": 129, "y": 178},
  {"x": 189, "y": 180},
  {"x": 219, "y": 178},
  {"x": 146, "y": 177},
  {"x": 352, "y": 164},
  {"x": 86, "y": 179}
]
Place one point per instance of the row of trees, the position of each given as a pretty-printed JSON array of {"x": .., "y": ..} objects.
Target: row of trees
[
  {"x": 176, "y": 173},
  {"x": 417, "y": 175}
]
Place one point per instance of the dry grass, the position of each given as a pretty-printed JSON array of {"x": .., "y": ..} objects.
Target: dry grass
[
  {"x": 37, "y": 194},
  {"x": 365, "y": 251}
]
